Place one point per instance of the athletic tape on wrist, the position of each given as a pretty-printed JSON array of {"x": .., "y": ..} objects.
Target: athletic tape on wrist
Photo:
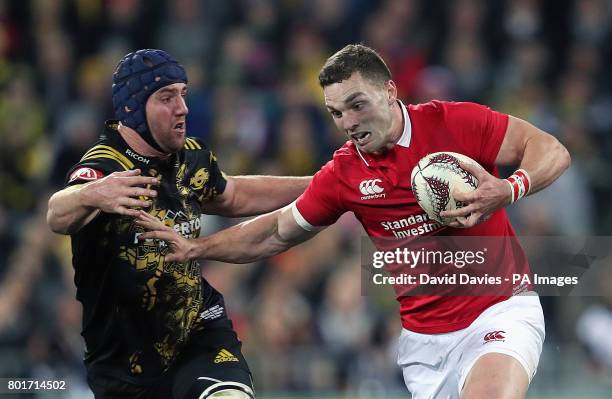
[{"x": 520, "y": 184}]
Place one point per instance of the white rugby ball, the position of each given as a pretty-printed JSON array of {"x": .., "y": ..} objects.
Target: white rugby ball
[{"x": 433, "y": 179}]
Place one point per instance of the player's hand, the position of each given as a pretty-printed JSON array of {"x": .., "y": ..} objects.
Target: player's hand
[
  {"x": 492, "y": 193},
  {"x": 180, "y": 247},
  {"x": 119, "y": 192}
]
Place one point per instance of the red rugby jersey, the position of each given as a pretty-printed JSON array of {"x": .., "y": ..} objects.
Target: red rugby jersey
[{"x": 376, "y": 188}]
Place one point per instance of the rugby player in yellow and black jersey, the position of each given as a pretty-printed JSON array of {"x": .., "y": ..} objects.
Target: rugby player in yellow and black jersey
[{"x": 154, "y": 329}]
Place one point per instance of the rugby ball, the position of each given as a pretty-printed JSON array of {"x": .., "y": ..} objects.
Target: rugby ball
[{"x": 433, "y": 179}]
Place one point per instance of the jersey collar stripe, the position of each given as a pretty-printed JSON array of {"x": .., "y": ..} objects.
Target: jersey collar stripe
[
  {"x": 404, "y": 140},
  {"x": 300, "y": 219},
  {"x": 362, "y": 158}
]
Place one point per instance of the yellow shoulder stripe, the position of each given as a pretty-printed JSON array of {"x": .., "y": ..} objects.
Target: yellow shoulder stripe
[
  {"x": 111, "y": 157},
  {"x": 195, "y": 143},
  {"x": 191, "y": 144},
  {"x": 111, "y": 150},
  {"x": 99, "y": 147},
  {"x": 104, "y": 151}
]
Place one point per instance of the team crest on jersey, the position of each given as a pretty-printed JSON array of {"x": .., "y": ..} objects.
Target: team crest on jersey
[
  {"x": 199, "y": 179},
  {"x": 86, "y": 174},
  {"x": 371, "y": 189}
]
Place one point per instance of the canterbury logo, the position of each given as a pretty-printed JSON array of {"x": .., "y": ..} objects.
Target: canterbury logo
[
  {"x": 225, "y": 356},
  {"x": 369, "y": 187},
  {"x": 494, "y": 336}
]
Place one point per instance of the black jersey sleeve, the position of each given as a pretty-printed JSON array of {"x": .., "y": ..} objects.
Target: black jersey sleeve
[
  {"x": 216, "y": 178},
  {"x": 99, "y": 161}
]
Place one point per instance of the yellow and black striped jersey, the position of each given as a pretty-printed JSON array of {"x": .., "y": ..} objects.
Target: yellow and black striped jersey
[{"x": 139, "y": 311}]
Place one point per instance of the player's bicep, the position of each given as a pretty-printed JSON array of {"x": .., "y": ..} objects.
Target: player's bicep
[
  {"x": 515, "y": 140},
  {"x": 222, "y": 203},
  {"x": 480, "y": 129}
]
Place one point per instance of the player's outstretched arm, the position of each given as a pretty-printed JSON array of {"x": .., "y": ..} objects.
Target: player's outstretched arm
[
  {"x": 74, "y": 207},
  {"x": 255, "y": 239},
  {"x": 538, "y": 153},
  {"x": 254, "y": 195}
]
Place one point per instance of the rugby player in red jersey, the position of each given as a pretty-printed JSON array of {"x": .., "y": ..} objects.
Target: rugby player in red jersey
[{"x": 450, "y": 346}]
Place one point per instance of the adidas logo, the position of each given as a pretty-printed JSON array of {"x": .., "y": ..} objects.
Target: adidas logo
[{"x": 225, "y": 356}]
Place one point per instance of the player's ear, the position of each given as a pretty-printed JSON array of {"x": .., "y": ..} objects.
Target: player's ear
[{"x": 391, "y": 91}]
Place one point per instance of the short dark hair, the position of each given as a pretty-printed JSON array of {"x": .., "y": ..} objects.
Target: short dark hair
[{"x": 354, "y": 58}]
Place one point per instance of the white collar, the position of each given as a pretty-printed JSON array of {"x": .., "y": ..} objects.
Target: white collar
[{"x": 404, "y": 140}]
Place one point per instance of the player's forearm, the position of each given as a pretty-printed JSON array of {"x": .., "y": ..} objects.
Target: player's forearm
[
  {"x": 68, "y": 210},
  {"x": 545, "y": 159},
  {"x": 260, "y": 194},
  {"x": 244, "y": 243}
]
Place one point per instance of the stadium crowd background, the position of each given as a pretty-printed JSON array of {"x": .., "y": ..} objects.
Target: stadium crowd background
[{"x": 254, "y": 96}]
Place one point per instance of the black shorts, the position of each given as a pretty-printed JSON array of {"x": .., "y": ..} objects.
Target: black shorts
[{"x": 213, "y": 356}]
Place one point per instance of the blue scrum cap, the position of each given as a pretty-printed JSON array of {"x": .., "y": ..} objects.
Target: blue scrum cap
[{"x": 138, "y": 75}]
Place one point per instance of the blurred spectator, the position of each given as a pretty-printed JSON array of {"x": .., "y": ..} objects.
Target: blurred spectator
[
  {"x": 594, "y": 325},
  {"x": 24, "y": 155}
]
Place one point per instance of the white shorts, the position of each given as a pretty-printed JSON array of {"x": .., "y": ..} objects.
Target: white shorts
[{"x": 436, "y": 365}]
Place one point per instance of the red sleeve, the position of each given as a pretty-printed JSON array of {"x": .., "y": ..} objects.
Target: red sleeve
[
  {"x": 481, "y": 129},
  {"x": 320, "y": 204}
]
